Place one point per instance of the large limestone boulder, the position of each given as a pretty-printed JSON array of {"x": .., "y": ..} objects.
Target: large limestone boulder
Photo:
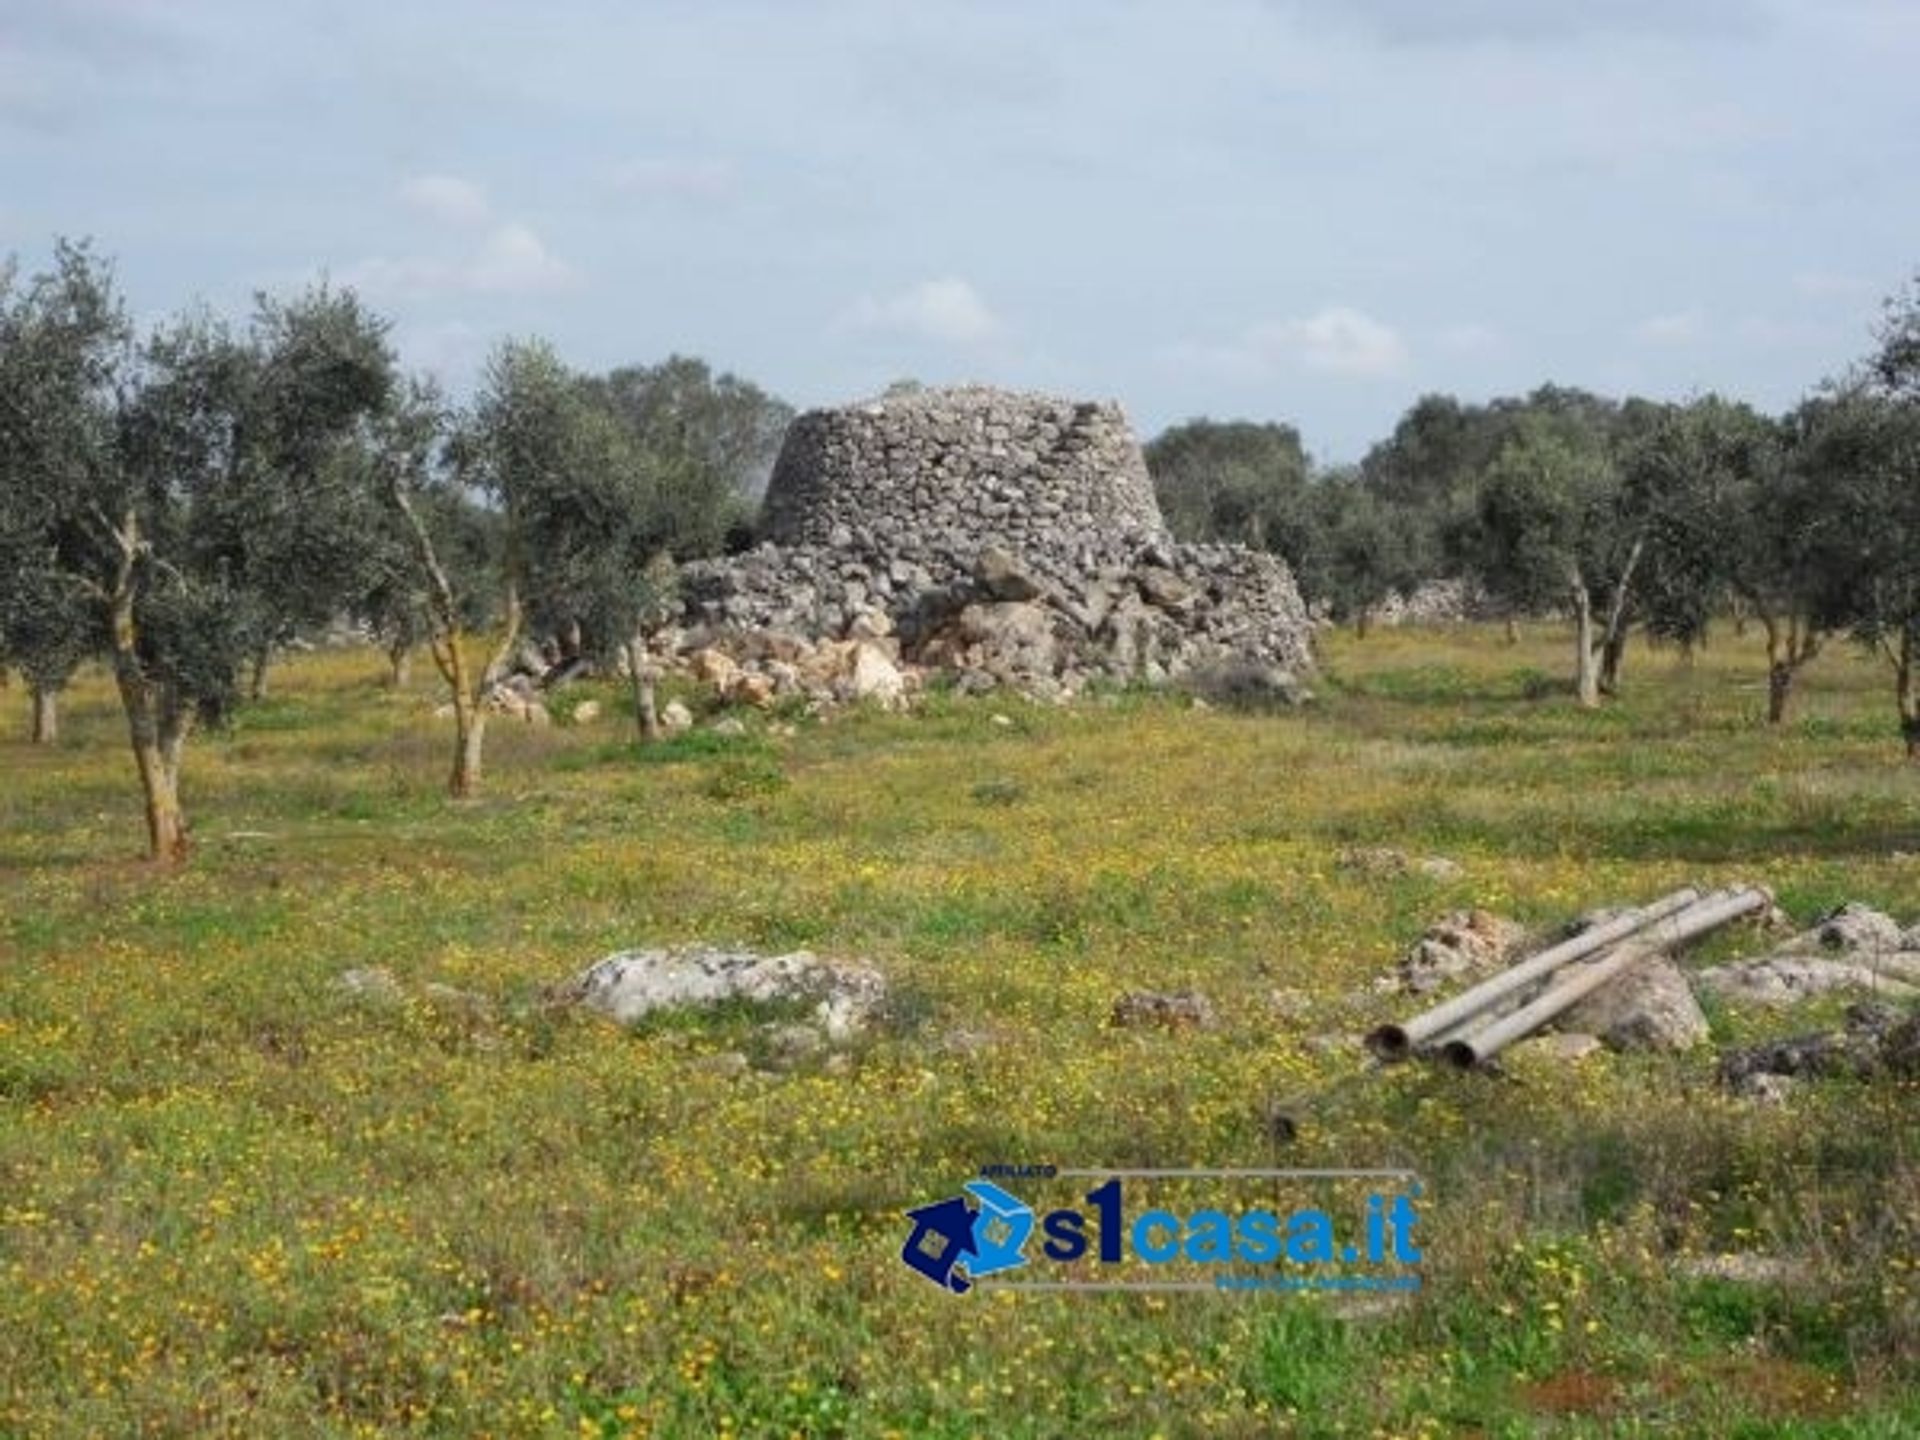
[
  {"x": 632, "y": 984},
  {"x": 1650, "y": 1007}
]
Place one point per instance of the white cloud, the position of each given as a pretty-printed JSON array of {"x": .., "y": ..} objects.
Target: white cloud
[
  {"x": 1334, "y": 340},
  {"x": 676, "y": 179},
  {"x": 1680, "y": 327},
  {"x": 447, "y": 198},
  {"x": 947, "y": 310},
  {"x": 511, "y": 260}
]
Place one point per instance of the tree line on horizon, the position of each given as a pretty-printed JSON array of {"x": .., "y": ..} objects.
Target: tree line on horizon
[
  {"x": 180, "y": 504},
  {"x": 1621, "y": 515}
]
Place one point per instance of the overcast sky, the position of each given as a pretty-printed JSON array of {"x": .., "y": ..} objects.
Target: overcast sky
[{"x": 1302, "y": 210}]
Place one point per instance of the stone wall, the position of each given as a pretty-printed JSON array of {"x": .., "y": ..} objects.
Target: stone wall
[
  {"x": 1002, "y": 538},
  {"x": 934, "y": 477}
]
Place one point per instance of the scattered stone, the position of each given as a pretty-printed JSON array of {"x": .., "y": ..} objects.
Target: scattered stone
[
  {"x": 1786, "y": 979},
  {"x": 1855, "y": 927},
  {"x": 714, "y": 667},
  {"x": 1649, "y": 1007},
  {"x": 1385, "y": 860},
  {"x": 372, "y": 982},
  {"x": 1744, "y": 1269},
  {"x": 675, "y": 717},
  {"x": 1763, "y": 1087},
  {"x": 727, "y": 1063},
  {"x": 730, "y": 726},
  {"x": 1004, "y": 721},
  {"x": 1877, "y": 1040},
  {"x": 1466, "y": 943},
  {"x": 1175, "y": 1010},
  {"x": 1372, "y": 860},
  {"x": 586, "y": 712},
  {"x": 1562, "y": 1047},
  {"x": 753, "y": 689},
  {"x": 875, "y": 677},
  {"x": 634, "y": 983}
]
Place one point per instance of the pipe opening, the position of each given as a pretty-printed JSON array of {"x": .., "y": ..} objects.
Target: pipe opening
[
  {"x": 1390, "y": 1043},
  {"x": 1459, "y": 1053}
]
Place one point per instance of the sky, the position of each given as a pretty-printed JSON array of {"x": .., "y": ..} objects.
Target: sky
[{"x": 1308, "y": 211}]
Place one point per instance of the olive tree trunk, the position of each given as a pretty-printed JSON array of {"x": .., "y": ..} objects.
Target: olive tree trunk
[
  {"x": 46, "y": 715},
  {"x": 645, "y": 709}
]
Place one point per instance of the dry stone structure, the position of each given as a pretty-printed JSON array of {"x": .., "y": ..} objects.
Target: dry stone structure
[{"x": 1008, "y": 539}]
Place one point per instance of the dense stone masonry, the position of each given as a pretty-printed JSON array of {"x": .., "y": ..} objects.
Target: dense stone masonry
[
  {"x": 937, "y": 476},
  {"x": 1008, "y": 539}
]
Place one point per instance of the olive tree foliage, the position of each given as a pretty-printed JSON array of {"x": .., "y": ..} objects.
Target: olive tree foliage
[
  {"x": 1235, "y": 481},
  {"x": 710, "y": 442},
  {"x": 1736, "y": 517},
  {"x": 62, "y": 338},
  {"x": 1361, "y": 549},
  {"x": 1859, "y": 450},
  {"x": 289, "y": 519}
]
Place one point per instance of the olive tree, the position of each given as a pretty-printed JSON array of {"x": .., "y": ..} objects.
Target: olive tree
[
  {"x": 1551, "y": 527},
  {"x": 63, "y": 342}
]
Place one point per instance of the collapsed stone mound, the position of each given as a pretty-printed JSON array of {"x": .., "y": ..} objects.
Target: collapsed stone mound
[{"x": 1008, "y": 539}]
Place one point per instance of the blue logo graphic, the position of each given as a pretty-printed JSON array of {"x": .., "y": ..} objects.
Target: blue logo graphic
[
  {"x": 984, "y": 1230},
  {"x": 955, "y": 1243}
]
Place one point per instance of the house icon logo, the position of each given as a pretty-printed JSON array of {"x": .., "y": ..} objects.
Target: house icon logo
[{"x": 968, "y": 1236}]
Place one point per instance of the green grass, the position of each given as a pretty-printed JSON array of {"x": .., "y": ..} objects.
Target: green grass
[{"x": 235, "y": 1198}]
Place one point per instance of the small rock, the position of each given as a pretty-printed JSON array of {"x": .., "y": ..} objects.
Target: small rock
[
  {"x": 730, "y": 726},
  {"x": 728, "y": 1063},
  {"x": 753, "y": 689},
  {"x": 1763, "y": 1087},
  {"x": 1372, "y": 860},
  {"x": 875, "y": 676},
  {"x": 1743, "y": 1269},
  {"x": 586, "y": 712},
  {"x": 1564, "y": 1047},
  {"x": 1002, "y": 575},
  {"x": 675, "y": 717},
  {"x": 371, "y": 982},
  {"x": 1465, "y": 943},
  {"x": 1004, "y": 721},
  {"x": 715, "y": 668},
  {"x": 1176, "y": 1010},
  {"x": 1439, "y": 867}
]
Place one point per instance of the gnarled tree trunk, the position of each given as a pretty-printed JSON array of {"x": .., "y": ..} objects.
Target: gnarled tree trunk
[
  {"x": 399, "y": 665},
  {"x": 1790, "y": 644},
  {"x": 445, "y": 637}
]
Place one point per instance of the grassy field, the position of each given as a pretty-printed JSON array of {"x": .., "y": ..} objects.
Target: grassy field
[{"x": 235, "y": 1198}]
